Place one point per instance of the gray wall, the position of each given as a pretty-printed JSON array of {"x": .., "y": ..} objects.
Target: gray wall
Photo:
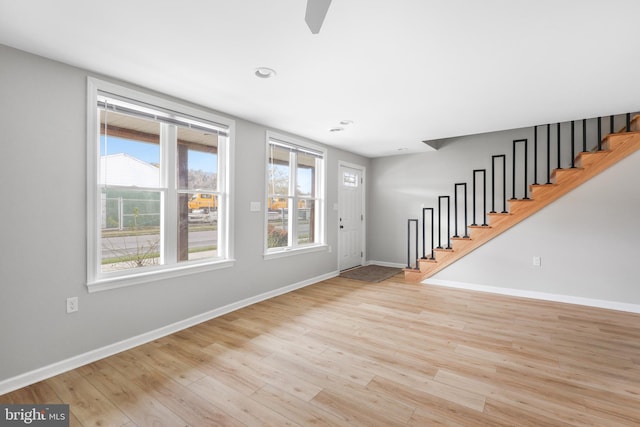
[
  {"x": 43, "y": 229},
  {"x": 587, "y": 240}
]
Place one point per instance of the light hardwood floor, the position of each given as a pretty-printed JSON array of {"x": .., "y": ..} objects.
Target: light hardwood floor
[{"x": 348, "y": 353}]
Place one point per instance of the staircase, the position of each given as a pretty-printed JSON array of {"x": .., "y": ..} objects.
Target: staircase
[{"x": 587, "y": 164}]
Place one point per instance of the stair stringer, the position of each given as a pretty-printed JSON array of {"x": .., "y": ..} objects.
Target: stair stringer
[{"x": 588, "y": 164}]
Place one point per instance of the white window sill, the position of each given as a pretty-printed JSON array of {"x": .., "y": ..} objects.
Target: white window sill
[
  {"x": 103, "y": 284},
  {"x": 297, "y": 251}
]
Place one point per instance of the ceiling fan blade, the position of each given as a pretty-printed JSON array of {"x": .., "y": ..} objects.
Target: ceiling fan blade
[{"x": 316, "y": 11}]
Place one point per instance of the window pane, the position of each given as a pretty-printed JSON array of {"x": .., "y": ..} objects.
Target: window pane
[
  {"x": 349, "y": 179},
  {"x": 306, "y": 216},
  {"x": 197, "y": 159},
  {"x": 197, "y": 228},
  {"x": 129, "y": 151},
  {"x": 278, "y": 203},
  {"x": 277, "y": 228},
  {"x": 306, "y": 175},
  {"x": 130, "y": 231},
  {"x": 279, "y": 175}
]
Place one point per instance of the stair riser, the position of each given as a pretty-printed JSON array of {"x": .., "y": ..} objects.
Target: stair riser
[
  {"x": 584, "y": 160},
  {"x": 516, "y": 206},
  {"x": 614, "y": 142},
  {"x": 495, "y": 219},
  {"x": 538, "y": 191},
  {"x": 558, "y": 175}
]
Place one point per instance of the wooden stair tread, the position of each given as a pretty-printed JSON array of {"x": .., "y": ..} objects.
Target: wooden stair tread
[
  {"x": 585, "y": 158},
  {"x": 593, "y": 153},
  {"x": 555, "y": 172},
  {"x": 537, "y": 189}
]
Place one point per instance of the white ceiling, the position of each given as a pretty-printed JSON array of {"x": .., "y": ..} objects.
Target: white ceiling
[{"x": 403, "y": 71}]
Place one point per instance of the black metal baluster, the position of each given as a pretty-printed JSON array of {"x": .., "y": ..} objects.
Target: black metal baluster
[
  {"x": 513, "y": 173},
  {"x": 599, "y": 133},
  {"x": 455, "y": 209},
  {"x": 504, "y": 182},
  {"x": 466, "y": 220},
  {"x": 611, "y": 124},
  {"x": 493, "y": 185},
  {"x": 628, "y": 122},
  {"x": 535, "y": 155},
  {"x": 484, "y": 195},
  {"x": 473, "y": 199},
  {"x": 559, "y": 163},
  {"x": 448, "y": 222},
  {"x": 584, "y": 135},
  {"x": 515, "y": 142},
  {"x": 573, "y": 145},
  {"x": 409, "y": 243},
  {"x": 548, "y": 154},
  {"x": 423, "y": 233}
]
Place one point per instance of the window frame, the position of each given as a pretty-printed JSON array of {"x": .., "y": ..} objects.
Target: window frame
[
  {"x": 320, "y": 225},
  {"x": 98, "y": 280}
]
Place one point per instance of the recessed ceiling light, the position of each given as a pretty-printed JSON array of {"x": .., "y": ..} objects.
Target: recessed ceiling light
[
  {"x": 402, "y": 149},
  {"x": 265, "y": 73},
  {"x": 336, "y": 129},
  {"x": 346, "y": 122}
]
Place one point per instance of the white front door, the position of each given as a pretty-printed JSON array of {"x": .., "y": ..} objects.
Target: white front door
[{"x": 351, "y": 217}]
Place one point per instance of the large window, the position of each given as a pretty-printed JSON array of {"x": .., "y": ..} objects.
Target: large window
[
  {"x": 158, "y": 185},
  {"x": 295, "y": 195}
]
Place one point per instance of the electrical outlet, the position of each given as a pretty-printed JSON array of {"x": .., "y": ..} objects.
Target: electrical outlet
[
  {"x": 537, "y": 261},
  {"x": 72, "y": 305}
]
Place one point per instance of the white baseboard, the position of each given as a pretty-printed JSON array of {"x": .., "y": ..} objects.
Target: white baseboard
[
  {"x": 28, "y": 378},
  {"x": 386, "y": 264},
  {"x": 589, "y": 302}
]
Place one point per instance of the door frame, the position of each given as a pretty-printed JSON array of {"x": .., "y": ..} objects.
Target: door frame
[{"x": 363, "y": 223}]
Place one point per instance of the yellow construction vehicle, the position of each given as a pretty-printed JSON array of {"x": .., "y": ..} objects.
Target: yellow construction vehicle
[{"x": 206, "y": 202}]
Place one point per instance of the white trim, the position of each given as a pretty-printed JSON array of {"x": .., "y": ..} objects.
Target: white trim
[
  {"x": 296, "y": 251},
  {"x": 589, "y": 302},
  {"x": 92, "y": 177},
  {"x": 185, "y": 268},
  {"x": 385, "y": 264},
  {"x": 227, "y": 173},
  {"x": 28, "y": 378}
]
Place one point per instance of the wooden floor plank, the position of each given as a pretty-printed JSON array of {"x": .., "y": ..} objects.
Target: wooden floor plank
[
  {"x": 142, "y": 408},
  {"x": 298, "y": 411},
  {"x": 87, "y": 403},
  {"x": 247, "y": 409},
  {"x": 344, "y": 353}
]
